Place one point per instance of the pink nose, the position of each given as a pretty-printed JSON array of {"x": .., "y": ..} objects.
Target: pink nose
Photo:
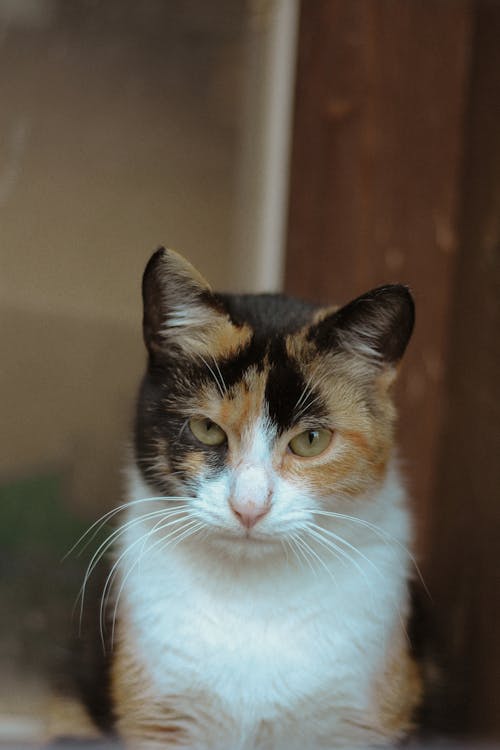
[{"x": 249, "y": 513}]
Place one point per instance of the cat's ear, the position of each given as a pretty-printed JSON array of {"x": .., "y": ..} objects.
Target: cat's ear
[
  {"x": 180, "y": 311},
  {"x": 376, "y": 326}
]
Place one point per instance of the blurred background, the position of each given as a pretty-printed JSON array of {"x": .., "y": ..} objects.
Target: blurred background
[{"x": 321, "y": 148}]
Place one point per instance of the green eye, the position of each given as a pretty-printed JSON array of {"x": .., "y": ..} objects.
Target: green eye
[
  {"x": 310, "y": 442},
  {"x": 206, "y": 431}
]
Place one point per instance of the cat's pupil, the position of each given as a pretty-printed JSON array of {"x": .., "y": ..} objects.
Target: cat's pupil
[{"x": 313, "y": 435}]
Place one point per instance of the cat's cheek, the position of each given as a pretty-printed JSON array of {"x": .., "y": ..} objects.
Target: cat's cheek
[
  {"x": 192, "y": 465},
  {"x": 350, "y": 467},
  {"x": 292, "y": 506},
  {"x": 211, "y": 503}
]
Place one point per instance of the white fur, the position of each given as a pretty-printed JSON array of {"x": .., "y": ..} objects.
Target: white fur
[
  {"x": 283, "y": 648},
  {"x": 188, "y": 315}
]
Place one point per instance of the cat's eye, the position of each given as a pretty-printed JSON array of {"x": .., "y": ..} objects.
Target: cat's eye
[
  {"x": 310, "y": 442},
  {"x": 206, "y": 431}
]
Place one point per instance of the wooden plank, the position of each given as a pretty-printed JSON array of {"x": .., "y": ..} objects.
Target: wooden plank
[
  {"x": 376, "y": 160},
  {"x": 465, "y": 571}
]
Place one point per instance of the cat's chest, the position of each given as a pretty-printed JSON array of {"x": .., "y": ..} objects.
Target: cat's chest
[{"x": 261, "y": 652}]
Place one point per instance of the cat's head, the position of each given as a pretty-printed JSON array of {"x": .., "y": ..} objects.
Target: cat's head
[{"x": 263, "y": 410}]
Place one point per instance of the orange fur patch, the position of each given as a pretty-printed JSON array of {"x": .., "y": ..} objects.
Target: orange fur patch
[
  {"x": 141, "y": 720},
  {"x": 228, "y": 338},
  {"x": 362, "y": 419},
  {"x": 238, "y": 410},
  {"x": 193, "y": 462},
  {"x": 398, "y": 692}
]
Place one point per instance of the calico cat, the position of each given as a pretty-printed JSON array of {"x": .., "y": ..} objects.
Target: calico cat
[{"x": 262, "y": 572}]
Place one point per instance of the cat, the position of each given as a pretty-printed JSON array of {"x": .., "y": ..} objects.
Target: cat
[{"x": 261, "y": 576}]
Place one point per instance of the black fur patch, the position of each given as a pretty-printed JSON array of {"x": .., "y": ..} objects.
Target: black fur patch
[
  {"x": 252, "y": 355},
  {"x": 383, "y": 319},
  {"x": 284, "y": 388},
  {"x": 160, "y": 420},
  {"x": 268, "y": 314},
  {"x": 272, "y": 316}
]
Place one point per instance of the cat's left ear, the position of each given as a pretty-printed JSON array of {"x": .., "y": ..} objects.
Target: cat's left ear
[
  {"x": 376, "y": 326},
  {"x": 180, "y": 311}
]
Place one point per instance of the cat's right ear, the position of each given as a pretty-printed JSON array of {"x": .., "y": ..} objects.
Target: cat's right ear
[
  {"x": 376, "y": 326},
  {"x": 180, "y": 311}
]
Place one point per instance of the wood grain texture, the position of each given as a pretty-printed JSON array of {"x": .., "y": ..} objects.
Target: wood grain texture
[
  {"x": 464, "y": 570},
  {"x": 376, "y": 163}
]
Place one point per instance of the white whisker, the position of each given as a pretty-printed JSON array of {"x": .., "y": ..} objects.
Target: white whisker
[
  {"x": 224, "y": 387},
  {"x": 178, "y": 535},
  {"x": 100, "y": 522},
  {"x": 298, "y": 542},
  {"x": 307, "y": 389},
  {"x": 383, "y": 534},
  {"x": 350, "y": 546},
  {"x": 306, "y": 400},
  {"x": 289, "y": 543},
  {"x": 114, "y": 571},
  {"x": 306, "y": 406},
  {"x": 377, "y": 570},
  {"x": 220, "y": 386},
  {"x": 339, "y": 553},
  {"x": 319, "y": 559},
  {"x": 109, "y": 541}
]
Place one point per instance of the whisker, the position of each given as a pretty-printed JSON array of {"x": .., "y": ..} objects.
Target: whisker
[
  {"x": 288, "y": 543},
  {"x": 133, "y": 544},
  {"x": 158, "y": 527},
  {"x": 220, "y": 374},
  {"x": 98, "y": 554},
  {"x": 187, "y": 532},
  {"x": 285, "y": 550},
  {"x": 114, "y": 570},
  {"x": 306, "y": 406},
  {"x": 384, "y": 535},
  {"x": 183, "y": 427},
  {"x": 318, "y": 558},
  {"x": 100, "y": 522},
  {"x": 216, "y": 380},
  {"x": 107, "y": 543},
  {"x": 351, "y": 547},
  {"x": 339, "y": 553},
  {"x": 361, "y": 571},
  {"x": 181, "y": 534},
  {"x": 298, "y": 542},
  {"x": 306, "y": 400},
  {"x": 307, "y": 388}
]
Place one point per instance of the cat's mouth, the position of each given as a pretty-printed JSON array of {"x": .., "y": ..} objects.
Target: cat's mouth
[{"x": 246, "y": 537}]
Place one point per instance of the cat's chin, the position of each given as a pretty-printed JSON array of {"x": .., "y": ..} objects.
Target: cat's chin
[{"x": 244, "y": 545}]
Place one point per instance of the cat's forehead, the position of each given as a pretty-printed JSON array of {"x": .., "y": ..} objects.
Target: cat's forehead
[{"x": 264, "y": 378}]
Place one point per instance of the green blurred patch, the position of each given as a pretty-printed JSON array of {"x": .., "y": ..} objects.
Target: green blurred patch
[
  {"x": 38, "y": 588},
  {"x": 33, "y": 516}
]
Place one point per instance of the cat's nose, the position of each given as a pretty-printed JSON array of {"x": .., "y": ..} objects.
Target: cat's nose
[
  {"x": 249, "y": 512},
  {"x": 250, "y": 497}
]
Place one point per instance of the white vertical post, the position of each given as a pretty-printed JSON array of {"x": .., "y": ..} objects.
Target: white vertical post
[{"x": 261, "y": 213}]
